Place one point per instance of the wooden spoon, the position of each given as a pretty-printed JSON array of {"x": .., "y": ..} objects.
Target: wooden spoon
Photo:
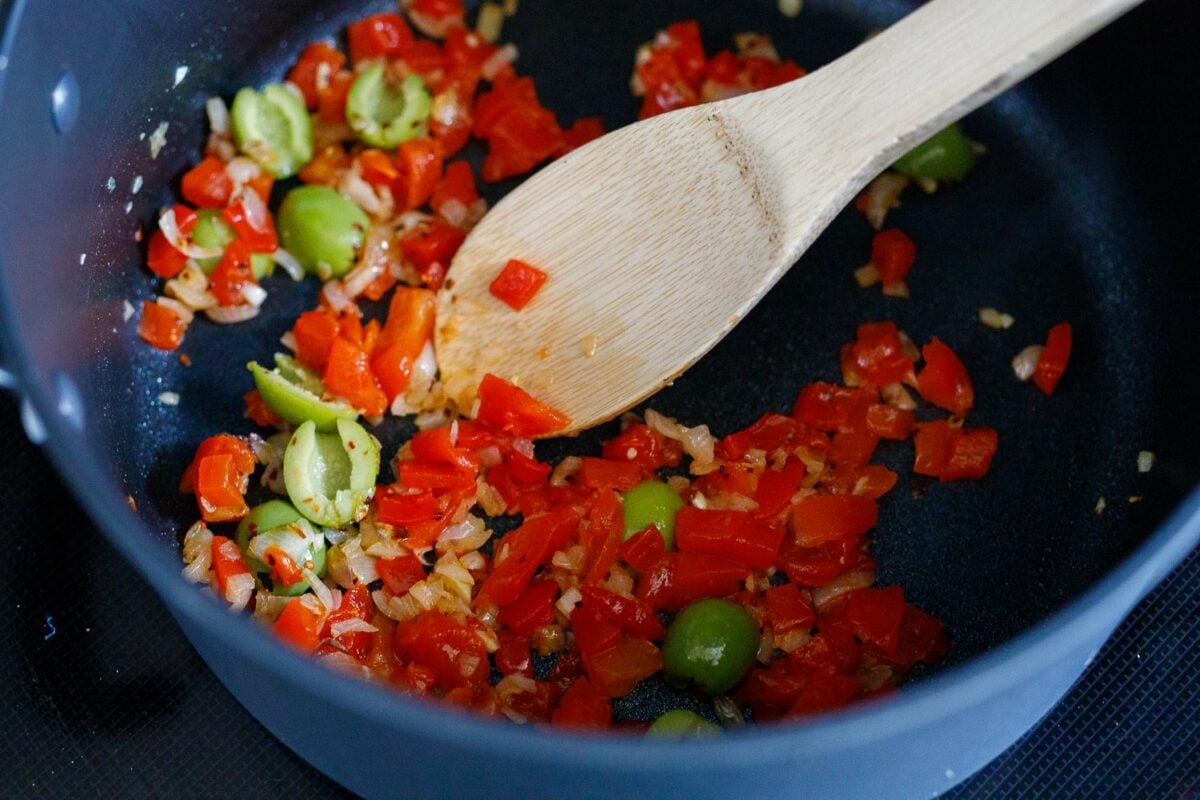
[{"x": 659, "y": 237}]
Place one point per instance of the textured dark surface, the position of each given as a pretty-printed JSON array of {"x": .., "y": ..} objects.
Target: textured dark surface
[{"x": 101, "y": 695}]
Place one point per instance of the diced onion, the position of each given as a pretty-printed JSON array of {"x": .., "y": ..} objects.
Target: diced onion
[
  {"x": 218, "y": 115},
  {"x": 242, "y": 170},
  {"x": 197, "y": 553},
  {"x": 170, "y": 229},
  {"x": 846, "y": 582},
  {"x": 289, "y": 263},
  {"x": 350, "y": 625},
  {"x": 228, "y": 315},
  {"x": 570, "y": 598},
  {"x": 564, "y": 470},
  {"x": 254, "y": 294},
  {"x": 995, "y": 319},
  {"x": 238, "y": 590},
  {"x": 454, "y": 212},
  {"x": 190, "y": 288},
  {"x": 1145, "y": 461},
  {"x": 499, "y": 60},
  {"x": 489, "y": 22},
  {"x": 179, "y": 309},
  {"x": 1025, "y": 363}
]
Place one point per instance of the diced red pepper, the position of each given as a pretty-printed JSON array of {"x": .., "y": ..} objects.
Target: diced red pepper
[
  {"x": 527, "y": 471},
  {"x": 435, "y": 445},
  {"x": 594, "y": 631},
  {"x": 348, "y": 375},
  {"x": 737, "y": 535},
  {"x": 787, "y": 609},
  {"x": 951, "y": 453},
  {"x": 299, "y": 626},
  {"x": 943, "y": 380},
  {"x": 356, "y": 604},
  {"x": 678, "y": 579},
  {"x": 830, "y": 408},
  {"x": 512, "y": 657},
  {"x": 520, "y": 132},
  {"x": 420, "y": 162},
  {"x": 207, "y": 185},
  {"x": 824, "y": 691},
  {"x": 220, "y": 487},
  {"x": 627, "y": 613},
  {"x": 423, "y": 475},
  {"x": 876, "y": 355},
  {"x": 818, "y": 519},
  {"x": 232, "y": 274},
  {"x": 643, "y": 549},
  {"x": 533, "y": 609},
  {"x": 400, "y": 573},
  {"x": 258, "y": 235},
  {"x": 513, "y": 409},
  {"x": 331, "y": 99},
  {"x": 457, "y": 185},
  {"x": 226, "y": 562},
  {"x": 817, "y": 566},
  {"x": 601, "y": 537},
  {"x": 583, "y": 705},
  {"x": 1053, "y": 360},
  {"x": 893, "y": 254},
  {"x": 314, "y": 333},
  {"x": 580, "y": 133},
  {"x": 873, "y": 615},
  {"x": 619, "y": 669},
  {"x": 284, "y": 571},
  {"x": 600, "y": 473},
  {"x": 452, "y": 650},
  {"x": 160, "y": 326},
  {"x": 434, "y": 242},
  {"x": 379, "y": 35},
  {"x": 408, "y": 328},
  {"x": 645, "y": 446},
  {"x": 526, "y": 549},
  {"x": 517, "y": 284},
  {"x": 889, "y": 422},
  {"x": 306, "y": 75}
]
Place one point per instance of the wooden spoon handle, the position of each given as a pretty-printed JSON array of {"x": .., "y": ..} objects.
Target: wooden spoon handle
[{"x": 895, "y": 90}]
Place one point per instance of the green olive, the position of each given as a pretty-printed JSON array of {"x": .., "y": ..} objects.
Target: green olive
[
  {"x": 294, "y": 393},
  {"x": 303, "y": 544},
  {"x": 273, "y": 128},
  {"x": 710, "y": 643},
  {"x": 681, "y": 724},
  {"x": 262, "y": 517},
  {"x": 214, "y": 232},
  {"x": 330, "y": 477},
  {"x": 945, "y": 155},
  {"x": 652, "y": 502},
  {"x": 322, "y": 229},
  {"x": 385, "y": 115}
]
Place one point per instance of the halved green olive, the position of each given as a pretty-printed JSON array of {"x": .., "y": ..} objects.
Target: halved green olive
[
  {"x": 945, "y": 155},
  {"x": 294, "y": 393},
  {"x": 651, "y": 502},
  {"x": 330, "y": 477},
  {"x": 384, "y": 115},
  {"x": 263, "y": 517},
  {"x": 214, "y": 232},
  {"x": 681, "y": 724},
  {"x": 303, "y": 544},
  {"x": 273, "y": 128}
]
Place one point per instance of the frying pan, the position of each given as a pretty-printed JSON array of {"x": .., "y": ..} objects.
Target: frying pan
[{"x": 1081, "y": 211}]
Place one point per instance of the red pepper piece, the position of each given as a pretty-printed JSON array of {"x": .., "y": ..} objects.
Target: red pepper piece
[
  {"x": 943, "y": 380},
  {"x": 737, "y": 535},
  {"x": 1053, "y": 360}
]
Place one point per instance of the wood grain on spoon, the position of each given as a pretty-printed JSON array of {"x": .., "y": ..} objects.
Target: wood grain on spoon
[{"x": 659, "y": 237}]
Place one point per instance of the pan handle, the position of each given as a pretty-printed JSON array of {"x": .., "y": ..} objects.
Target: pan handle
[{"x": 34, "y": 429}]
